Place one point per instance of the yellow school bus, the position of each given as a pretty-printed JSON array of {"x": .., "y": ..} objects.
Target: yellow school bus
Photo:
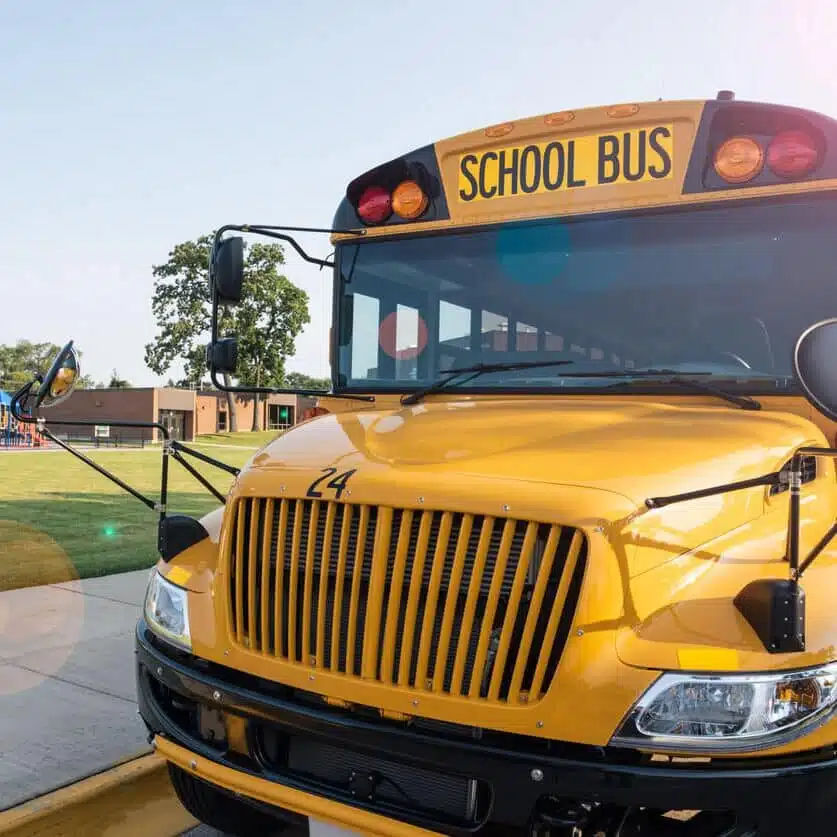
[{"x": 553, "y": 556}]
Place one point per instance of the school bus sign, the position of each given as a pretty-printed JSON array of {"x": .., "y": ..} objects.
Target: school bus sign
[{"x": 630, "y": 156}]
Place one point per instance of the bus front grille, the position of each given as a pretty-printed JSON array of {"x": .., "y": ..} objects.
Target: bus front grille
[{"x": 451, "y": 603}]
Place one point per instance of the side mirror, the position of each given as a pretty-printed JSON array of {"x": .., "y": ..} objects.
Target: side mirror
[
  {"x": 226, "y": 271},
  {"x": 815, "y": 366},
  {"x": 222, "y": 356},
  {"x": 61, "y": 379}
]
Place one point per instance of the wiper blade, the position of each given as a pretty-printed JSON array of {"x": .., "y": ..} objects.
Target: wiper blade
[
  {"x": 685, "y": 380},
  {"x": 475, "y": 371}
]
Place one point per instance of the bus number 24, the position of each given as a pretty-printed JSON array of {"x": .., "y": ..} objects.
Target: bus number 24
[{"x": 338, "y": 483}]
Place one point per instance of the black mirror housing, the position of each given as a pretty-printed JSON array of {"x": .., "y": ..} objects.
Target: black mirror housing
[
  {"x": 222, "y": 355},
  {"x": 226, "y": 271},
  {"x": 61, "y": 379},
  {"x": 815, "y": 368}
]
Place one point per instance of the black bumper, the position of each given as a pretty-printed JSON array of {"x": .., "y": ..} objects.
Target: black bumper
[{"x": 779, "y": 796}]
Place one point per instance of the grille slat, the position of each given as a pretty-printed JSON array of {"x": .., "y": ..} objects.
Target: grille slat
[
  {"x": 322, "y": 592},
  {"x": 414, "y": 577},
  {"x": 278, "y": 546},
  {"x": 357, "y": 613},
  {"x": 252, "y": 556},
  {"x": 439, "y": 601},
  {"x": 466, "y": 625},
  {"x": 555, "y": 614},
  {"x": 340, "y": 579},
  {"x": 452, "y": 600},
  {"x": 431, "y": 619},
  {"x": 266, "y": 581},
  {"x": 396, "y": 587},
  {"x": 512, "y": 612},
  {"x": 534, "y": 614},
  {"x": 307, "y": 594},
  {"x": 240, "y": 556},
  {"x": 375, "y": 594}
]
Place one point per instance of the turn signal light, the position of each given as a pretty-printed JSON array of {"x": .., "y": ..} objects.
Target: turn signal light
[
  {"x": 792, "y": 154},
  {"x": 739, "y": 159},
  {"x": 409, "y": 200},
  {"x": 374, "y": 205}
]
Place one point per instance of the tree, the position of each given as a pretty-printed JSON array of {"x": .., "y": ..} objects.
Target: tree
[
  {"x": 118, "y": 383},
  {"x": 299, "y": 380},
  {"x": 267, "y": 321}
]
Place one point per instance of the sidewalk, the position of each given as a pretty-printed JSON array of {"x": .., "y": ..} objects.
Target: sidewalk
[{"x": 67, "y": 693}]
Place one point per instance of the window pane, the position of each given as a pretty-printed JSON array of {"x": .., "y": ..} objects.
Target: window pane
[{"x": 365, "y": 320}]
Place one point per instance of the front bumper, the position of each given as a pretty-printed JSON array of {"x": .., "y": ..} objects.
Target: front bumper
[{"x": 513, "y": 774}]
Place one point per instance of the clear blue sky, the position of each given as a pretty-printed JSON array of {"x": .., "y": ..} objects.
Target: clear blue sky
[{"x": 129, "y": 127}]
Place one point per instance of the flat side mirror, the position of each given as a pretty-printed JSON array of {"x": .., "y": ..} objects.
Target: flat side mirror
[
  {"x": 226, "y": 271},
  {"x": 815, "y": 366},
  {"x": 222, "y": 355},
  {"x": 61, "y": 379}
]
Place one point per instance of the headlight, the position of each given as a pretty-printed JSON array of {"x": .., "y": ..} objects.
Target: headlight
[
  {"x": 167, "y": 611},
  {"x": 729, "y": 713}
]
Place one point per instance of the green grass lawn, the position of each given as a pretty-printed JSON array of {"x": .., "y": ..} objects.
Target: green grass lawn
[
  {"x": 60, "y": 519},
  {"x": 242, "y": 438}
]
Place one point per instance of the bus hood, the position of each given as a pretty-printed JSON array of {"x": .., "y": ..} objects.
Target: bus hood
[
  {"x": 631, "y": 447},
  {"x": 584, "y": 462}
]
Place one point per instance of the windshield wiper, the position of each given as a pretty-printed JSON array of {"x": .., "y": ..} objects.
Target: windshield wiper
[
  {"x": 685, "y": 380},
  {"x": 475, "y": 371}
]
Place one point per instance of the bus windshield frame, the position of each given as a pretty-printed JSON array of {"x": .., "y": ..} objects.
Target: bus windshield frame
[{"x": 757, "y": 238}]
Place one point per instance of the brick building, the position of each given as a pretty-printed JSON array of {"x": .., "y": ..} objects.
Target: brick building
[{"x": 186, "y": 413}]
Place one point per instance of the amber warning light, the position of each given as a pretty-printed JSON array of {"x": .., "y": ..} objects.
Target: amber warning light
[{"x": 790, "y": 155}]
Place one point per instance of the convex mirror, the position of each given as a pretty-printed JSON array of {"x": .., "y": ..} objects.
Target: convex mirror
[
  {"x": 815, "y": 366},
  {"x": 61, "y": 379}
]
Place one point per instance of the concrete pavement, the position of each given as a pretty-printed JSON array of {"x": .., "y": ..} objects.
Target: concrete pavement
[
  {"x": 67, "y": 693},
  {"x": 67, "y": 690}
]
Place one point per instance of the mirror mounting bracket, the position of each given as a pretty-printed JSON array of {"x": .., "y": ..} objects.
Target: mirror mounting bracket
[
  {"x": 220, "y": 353},
  {"x": 775, "y": 608},
  {"x": 174, "y": 532}
]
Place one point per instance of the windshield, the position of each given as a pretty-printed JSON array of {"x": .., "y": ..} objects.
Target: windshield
[{"x": 724, "y": 290}]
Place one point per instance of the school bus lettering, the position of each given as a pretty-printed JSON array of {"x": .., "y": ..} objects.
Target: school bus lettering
[{"x": 621, "y": 157}]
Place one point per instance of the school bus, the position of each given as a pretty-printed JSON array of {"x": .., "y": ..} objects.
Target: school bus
[{"x": 553, "y": 556}]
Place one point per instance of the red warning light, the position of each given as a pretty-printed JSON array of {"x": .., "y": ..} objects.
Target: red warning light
[
  {"x": 792, "y": 154},
  {"x": 374, "y": 205}
]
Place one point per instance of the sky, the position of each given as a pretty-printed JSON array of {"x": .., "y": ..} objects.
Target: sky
[{"x": 130, "y": 127}]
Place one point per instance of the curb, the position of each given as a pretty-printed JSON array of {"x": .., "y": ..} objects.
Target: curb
[{"x": 133, "y": 798}]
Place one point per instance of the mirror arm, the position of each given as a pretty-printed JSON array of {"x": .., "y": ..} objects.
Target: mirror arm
[
  {"x": 317, "y": 393},
  {"x": 280, "y": 233},
  {"x": 797, "y": 567},
  {"x": 181, "y": 448},
  {"x": 660, "y": 502},
  {"x": 197, "y": 475},
  {"x": 104, "y": 472}
]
